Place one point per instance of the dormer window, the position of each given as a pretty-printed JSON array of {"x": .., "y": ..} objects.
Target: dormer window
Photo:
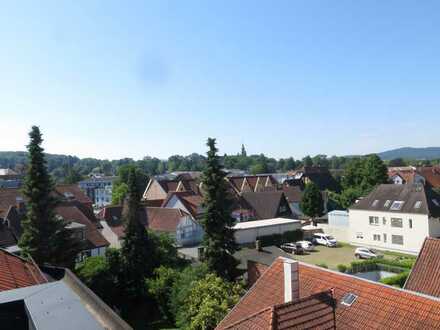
[
  {"x": 397, "y": 206},
  {"x": 418, "y": 204},
  {"x": 387, "y": 203}
]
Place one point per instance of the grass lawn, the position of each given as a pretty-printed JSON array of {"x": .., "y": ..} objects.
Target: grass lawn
[{"x": 330, "y": 256}]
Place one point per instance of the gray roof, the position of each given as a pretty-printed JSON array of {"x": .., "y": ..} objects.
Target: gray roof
[
  {"x": 416, "y": 199},
  {"x": 51, "y": 305}
]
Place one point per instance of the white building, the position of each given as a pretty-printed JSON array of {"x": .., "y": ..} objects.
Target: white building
[
  {"x": 395, "y": 217},
  {"x": 247, "y": 232}
]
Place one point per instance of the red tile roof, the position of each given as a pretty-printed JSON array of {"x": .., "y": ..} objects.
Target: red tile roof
[
  {"x": 72, "y": 213},
  {"x": 159, "y": 218},
  {"x": 65, "y": 189},
  {"x": 377, "y": 306},
  {"x": 8, "y": 197},
  {"x": 313, "y": 312},
  {"x": 16, "y": 272},
  {"x": 431, "y": 174},
  {"x": 425, "y": 275},
  {"x": 191, "y": 201}
]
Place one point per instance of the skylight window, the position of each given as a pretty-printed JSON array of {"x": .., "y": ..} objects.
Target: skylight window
[
  {"x": 387, "y": 203},
  {"x": 435, "y": 201},
  {"x": 374, "y": 204},
  {"x": 418, "y": 204},
  {"x": 396, "y": 206},
  {"x": 348, "y": 299}
]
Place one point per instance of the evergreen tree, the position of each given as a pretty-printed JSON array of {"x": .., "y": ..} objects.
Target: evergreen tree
[
  {"x": 45, "y": 236},
  {"x": 219, "y": 243},
  {"x": 312, "y": 204},
  {"x": 137, "y": 250},
  {"x": 243, "y": 151},
  {"x": 307, "y": 161}
]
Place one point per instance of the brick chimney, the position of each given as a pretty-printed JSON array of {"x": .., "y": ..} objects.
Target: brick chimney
[{"x": 291, "y": 280}]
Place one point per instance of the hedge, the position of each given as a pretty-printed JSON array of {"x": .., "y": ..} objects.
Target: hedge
[
  {"x": 396, "y": 280},
  {"x": 278, "y": 239},
  {"x": 394, "y": 266}
]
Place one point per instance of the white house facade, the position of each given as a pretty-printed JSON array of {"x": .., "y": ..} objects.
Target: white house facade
[{"x": 396, "y": 218}]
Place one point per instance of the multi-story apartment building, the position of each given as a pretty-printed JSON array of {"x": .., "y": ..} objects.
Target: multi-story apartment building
[
  {"x": 98, "y": 189},
  {"x": 396, "y": 217}
]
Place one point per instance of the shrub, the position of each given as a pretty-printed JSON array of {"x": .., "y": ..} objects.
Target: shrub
[
  {"x": 342, "y": 268},
  {"x": 322, "y": 265},
  {"x": 396, "y": 280}
]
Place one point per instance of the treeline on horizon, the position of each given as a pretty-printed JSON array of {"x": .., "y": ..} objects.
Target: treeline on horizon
[{"x": 69, "y": 169}]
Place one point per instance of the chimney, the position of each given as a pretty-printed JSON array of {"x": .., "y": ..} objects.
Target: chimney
[
  {"x": 291, "y": 280},
  {"x": 19, "y": 204}
]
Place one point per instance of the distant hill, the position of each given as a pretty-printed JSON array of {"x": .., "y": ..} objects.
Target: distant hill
[{"x": 411, "y": 153}]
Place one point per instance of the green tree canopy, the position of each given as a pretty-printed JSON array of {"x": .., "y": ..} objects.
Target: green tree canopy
[
  {"x": 219, "y": 242},
  {"x": 312, "y": 203},
  {"x": 208, "y": 302}
]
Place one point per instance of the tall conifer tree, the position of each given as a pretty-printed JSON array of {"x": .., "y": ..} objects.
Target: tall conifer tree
[
  {"x": 219, "y": 244},
  {"x": 45, "y": 236},
  {"x": 137, "y": 248}
]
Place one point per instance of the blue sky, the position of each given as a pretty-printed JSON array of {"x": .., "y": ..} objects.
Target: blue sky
[{"x": 112, "y": 79}]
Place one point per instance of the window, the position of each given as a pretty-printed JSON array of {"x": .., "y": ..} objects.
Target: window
[
  {"x": 435, "y": 202},
  {"x": 387, "y": 203},
  {"x": 359, "y": 235},
  {"x": 397, "y": 239},
  {"x": 384, "y": 221},
  {"x": 374, "y": 221},
  {"x": 384, "y": 238},
  {"x": 376, "y": 237},
  {"x": 396, "y": 222},
  {"x": 348, "y": 299},
  {"x": 374, "y": 204},
  {"x": 396, "y": 206},
  {"x": 410, "y": 223},
  {"x": 418, "y": 204}
]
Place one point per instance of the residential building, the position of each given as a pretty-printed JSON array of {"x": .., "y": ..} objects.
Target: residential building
[
  {"x": 99, "y": 189},
  {"x": 425, "y": 274},
  {"x": 173, "y": 221},
  {"x": 266, "y": 204},
  {"x": 10, "y": 179},
  {"x": 431, "y": 174},
  {"x": 395, "y": 217},
  {"x": 158, "y": 188},
  {"x": 405, "y": 175},
  {"x": 46, "y": 298},
  {"x": 325, "y": 299},
  {"x": 319, "y": 175},
  {"x": 252, "y": 183},
  {"x": 79, "y": 216},
  {"x": 186, "y": 201}
]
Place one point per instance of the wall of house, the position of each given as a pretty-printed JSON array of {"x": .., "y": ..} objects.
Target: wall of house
[
  {"x": 188, "y": 232},
  {"x": 109, "y": 235},
  {"x": 362, "y": 233},
  {"x": 154, "y": 191},
  {"x": 249, "y": 235}
]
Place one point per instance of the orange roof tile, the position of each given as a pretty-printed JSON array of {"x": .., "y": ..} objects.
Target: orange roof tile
[
  {"x": 426, "y": 268},
  {"x": 16, "y": 272},
  {"x": 377, "y": 306}
]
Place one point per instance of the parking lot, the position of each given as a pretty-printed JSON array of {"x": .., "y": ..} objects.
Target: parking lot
[{"x": 331, "y": 256}]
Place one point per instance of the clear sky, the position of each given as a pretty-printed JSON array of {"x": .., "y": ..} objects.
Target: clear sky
[{"x": 112, "y": 79}]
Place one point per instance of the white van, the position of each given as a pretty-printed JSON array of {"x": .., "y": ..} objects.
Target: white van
[{"x": 324, "y": 239}]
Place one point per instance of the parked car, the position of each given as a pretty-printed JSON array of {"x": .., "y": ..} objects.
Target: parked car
[
  {"x": 293, "y": 248},
  {"x": 324, "y": 239},
  {"x": 306, "y": 245},
  {"x": 365, "y": 253}
]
